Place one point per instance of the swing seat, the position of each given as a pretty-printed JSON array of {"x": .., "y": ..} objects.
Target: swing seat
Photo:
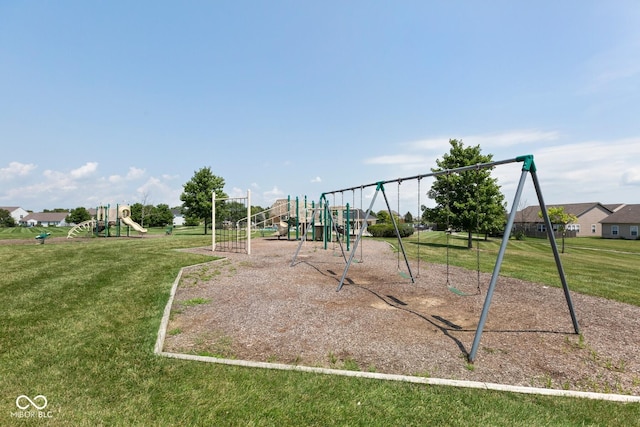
[
  {"x": 404, "y": 275},
  {"x": 459, "y": 292}
]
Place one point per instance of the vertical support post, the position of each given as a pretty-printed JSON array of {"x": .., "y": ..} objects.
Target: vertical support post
[
  {"x": 249, "y": 229},
  {"x": 556, "y": 255},
  {"x": 346, "y": 228},
  {"x": 288, "y": 214},
  {"x": 213, "y": 221},
  {"x": 313, "y": 217},
  {"x": 106, "y": 221},
  {"x": 297, "y": 218},
  {"x": 497, "y": 266}
]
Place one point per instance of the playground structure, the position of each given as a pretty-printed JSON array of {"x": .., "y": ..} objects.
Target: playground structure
[
  {"x": 528, "y": 169},
  {"x": 106, "y": 219},
  {"x": 288, "y": 218}
]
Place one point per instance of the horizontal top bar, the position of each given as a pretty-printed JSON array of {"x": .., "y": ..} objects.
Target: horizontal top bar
[{"x": 528, "y": 159}]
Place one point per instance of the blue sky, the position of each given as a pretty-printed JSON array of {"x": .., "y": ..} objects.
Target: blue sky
[{"x": 118, "y": 102}]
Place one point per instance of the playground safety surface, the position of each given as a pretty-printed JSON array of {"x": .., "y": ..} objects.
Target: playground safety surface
[{"x": 257, "y": 307}]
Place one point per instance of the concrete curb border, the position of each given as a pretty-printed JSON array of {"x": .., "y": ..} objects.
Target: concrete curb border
[{"x": 158, "y": 349}]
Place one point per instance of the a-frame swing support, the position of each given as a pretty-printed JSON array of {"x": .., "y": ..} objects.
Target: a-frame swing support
[{"x": 528, "y": 168}]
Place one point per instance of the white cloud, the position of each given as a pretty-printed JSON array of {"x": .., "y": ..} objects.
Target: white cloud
[
  {"x": 489, "y": 140},
  {"x": 272, "y": 195},
  {"x": 133, "y": 174},
  {"x": 589, "y": 171},
  {"x": 631, "y": 176},
  {"x": 317, "y": 179},
  {"x": 16, "y": 169},
  {"x": 85, "y": 170}
]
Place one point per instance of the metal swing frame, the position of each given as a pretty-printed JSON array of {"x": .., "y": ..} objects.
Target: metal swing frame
[{"x": 528, "y": 168}]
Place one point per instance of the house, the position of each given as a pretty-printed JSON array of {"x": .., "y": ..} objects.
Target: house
[
  {"x": 589, "y": 217},
  {"x": 178, "y": 217},
  {"x": 622, "y": 224},
  {"x": 16, "y": 212},
  {"x": 45, "y": 219}
]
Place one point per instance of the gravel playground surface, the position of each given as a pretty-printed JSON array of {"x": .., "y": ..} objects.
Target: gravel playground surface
[{"x": 258, "y": 307}]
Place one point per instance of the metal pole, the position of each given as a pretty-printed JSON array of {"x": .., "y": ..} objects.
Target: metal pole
[
  {"x": 249, "y": 229},
  {"x": 496, "y": 268},
  {"x": 297, "y": 218},
  {"x": 355, "y": 244},
  {"x": 346, "y": 228},
  {"x": 437, "y": 173},
  {"x": 556, "y": 255},
  {"x": 213, "y": 221}
]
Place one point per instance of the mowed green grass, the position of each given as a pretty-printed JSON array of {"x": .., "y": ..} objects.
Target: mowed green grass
[
  {"x": 79, "y": 322},
  {"x": 594, "y": 266}
]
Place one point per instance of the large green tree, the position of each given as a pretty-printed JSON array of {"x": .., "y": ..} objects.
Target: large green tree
[
  {"x": 161, "y": 216},
  {"x": 196, "y": 197},
  {"x": 78, "y": 215},
  {"x": 469, "y": 200}
]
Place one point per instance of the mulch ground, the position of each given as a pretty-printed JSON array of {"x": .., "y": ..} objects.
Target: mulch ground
[{"x": 260, "y": 307}]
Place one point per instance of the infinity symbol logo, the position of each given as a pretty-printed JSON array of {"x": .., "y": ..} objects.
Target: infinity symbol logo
[{"x": 30, "y": 402}]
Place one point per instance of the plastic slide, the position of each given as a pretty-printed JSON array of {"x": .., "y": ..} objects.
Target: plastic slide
[{"x": 131, "y": 223}]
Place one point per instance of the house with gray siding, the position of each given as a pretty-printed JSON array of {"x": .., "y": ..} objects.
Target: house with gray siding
[
  {"x": 624, "y": 223},
  {"x": 588, "y": 224}
]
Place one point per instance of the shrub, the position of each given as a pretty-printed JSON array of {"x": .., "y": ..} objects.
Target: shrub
[{"x": 387, "y": 230}]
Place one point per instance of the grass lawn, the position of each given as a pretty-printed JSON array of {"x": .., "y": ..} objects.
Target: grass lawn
[{"x": 79, "y": 322}]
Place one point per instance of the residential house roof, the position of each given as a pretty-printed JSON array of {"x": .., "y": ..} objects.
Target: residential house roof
[
  {"x": 10, "y": 208},
  {"x": 530, "y": 213},
  {"x": 628, "y": 214},
  {"x": 614, "y": 207}
]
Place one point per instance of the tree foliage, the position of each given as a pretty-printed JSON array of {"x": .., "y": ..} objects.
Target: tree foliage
[
  {"x": 196, "y": 196},
  {"x": 78, "y": 215},
  {"x": 470, "y": 200},
  {"x": 6, "y": 220},
  {"x": 561, "y": 219}
]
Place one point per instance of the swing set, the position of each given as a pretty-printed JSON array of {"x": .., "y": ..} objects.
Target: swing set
[{"x": 528, "y": 169}]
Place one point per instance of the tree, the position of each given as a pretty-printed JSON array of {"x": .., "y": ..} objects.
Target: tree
[
  {"x": 383, "y": 217},
  {"x": 196, "y": 196},
  {"x": 559, "y": 217},
  {"x": 235, "y": 211},
  {"x": 408, "y": 218},
  {"x": 145, "y": 212},
  {"x": 78, "y": 215},
  {"x": 6, "y": 220},
  {"x": 469, "y": 200},
  {"x": 160, "y": 216}
]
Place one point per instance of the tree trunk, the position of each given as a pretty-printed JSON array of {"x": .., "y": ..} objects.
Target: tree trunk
[
  {"x": 470, "y": 239},
  {"x": 206, "y": 226}
]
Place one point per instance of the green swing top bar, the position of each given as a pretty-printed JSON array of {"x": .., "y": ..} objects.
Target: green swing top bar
[{"x": 527, "y": 160}]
